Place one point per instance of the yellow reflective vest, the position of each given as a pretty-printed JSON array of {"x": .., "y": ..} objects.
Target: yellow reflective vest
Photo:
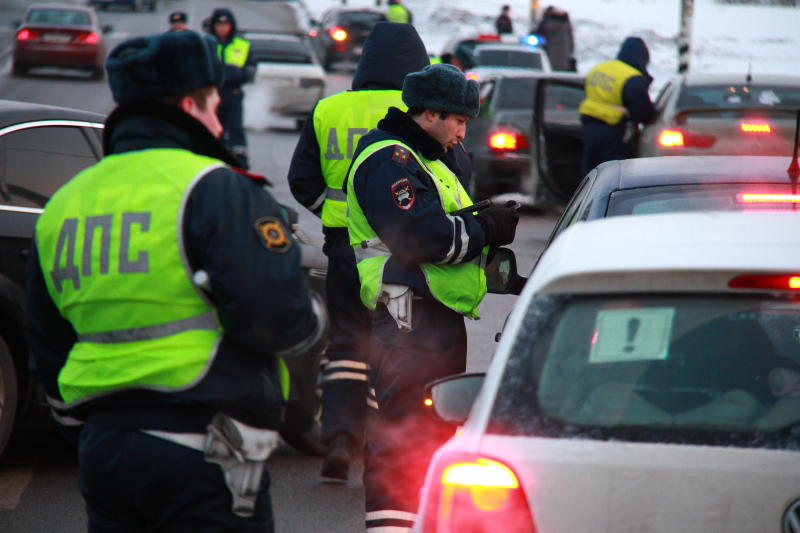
[
  {"x": 114, "y": 266},
  {"x": 604, "y": 84},
  {"x": 339, "y": 122},
  {"x": 234, "y": 53},
  {"x": 460, "y": 287}
]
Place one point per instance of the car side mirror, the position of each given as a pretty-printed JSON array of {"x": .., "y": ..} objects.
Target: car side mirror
[
  {"x": 108, "y": 29},
  {"x": 501, "y": 273},
  {"x": 452, "y": 396}
]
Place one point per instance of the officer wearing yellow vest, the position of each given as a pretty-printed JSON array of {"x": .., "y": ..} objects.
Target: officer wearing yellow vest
[
  {"x": 234, "y": 51},
  {"x": 421, "y": 273},
  {"x": 616, "y": 101},
  {"x": 397, "y": 12},
  {"x": 162, "y": 289},
  {"x": 318, "y": 168}
]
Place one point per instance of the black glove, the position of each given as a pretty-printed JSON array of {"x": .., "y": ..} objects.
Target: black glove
[{"x": 499, "y": 223}]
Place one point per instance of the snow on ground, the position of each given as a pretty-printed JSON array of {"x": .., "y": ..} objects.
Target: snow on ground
[{"x": 725, "y": 38}]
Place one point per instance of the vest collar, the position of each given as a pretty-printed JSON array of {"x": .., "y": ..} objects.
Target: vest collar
[
  {"x": 139, "y": 126},
  {"x": 403, "y": 126}
]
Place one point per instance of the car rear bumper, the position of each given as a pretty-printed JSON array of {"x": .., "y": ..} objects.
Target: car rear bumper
[
  {"x": 58, "y": 56},
  {"x": 502, "y": 170}
]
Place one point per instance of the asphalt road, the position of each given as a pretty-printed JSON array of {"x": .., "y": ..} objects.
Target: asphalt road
[{"x": 38, "y": 487}]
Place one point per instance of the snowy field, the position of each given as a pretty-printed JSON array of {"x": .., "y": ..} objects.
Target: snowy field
[{"x": 725, "y": 38}]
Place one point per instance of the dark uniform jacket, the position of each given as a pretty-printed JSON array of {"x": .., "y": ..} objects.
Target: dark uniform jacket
[
  {"x": 383, "y": 66},
  {"x": 261, "y": 297},
  {"x": 422, "y": 233}
]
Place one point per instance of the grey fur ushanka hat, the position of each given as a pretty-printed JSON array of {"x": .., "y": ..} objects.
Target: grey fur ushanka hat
[
  {"x": 164, "y": 64},
  {"x": 442, "y": 87}
]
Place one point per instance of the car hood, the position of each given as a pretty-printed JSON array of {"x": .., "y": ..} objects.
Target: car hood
[{"x": 607, "y": 487}]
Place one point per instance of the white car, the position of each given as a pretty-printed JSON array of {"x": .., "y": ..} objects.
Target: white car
[
  {"x": 647, "y": 380},
  {"x": 495, "y": 59},
  {"x": 289, "y": 79}
]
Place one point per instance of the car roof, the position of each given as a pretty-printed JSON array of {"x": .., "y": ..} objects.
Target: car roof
[
  {"x": 14, "y": 112},
  {"x": 75, "y": 7},
  {"x": 492, "y": 45},
  {"x": 277, "y": 35},
  {"x": 672, "y": 252},
  {"x": 740, "y": 78},
  {"x": 538, "y": 74},
  {"x": 677, "y": 170}
]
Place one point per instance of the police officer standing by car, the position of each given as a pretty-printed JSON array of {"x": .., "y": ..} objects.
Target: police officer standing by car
[
  {"x": 162, "y": 289},
  {"x": 234, "y": 51},
  {"x": 616, "y": 101},
  {"x": 421, "y": 271},
  {"x": 319, "y": 166}
]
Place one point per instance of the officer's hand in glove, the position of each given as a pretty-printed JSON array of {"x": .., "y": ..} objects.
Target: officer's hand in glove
[{"x": 499, "y": 223}]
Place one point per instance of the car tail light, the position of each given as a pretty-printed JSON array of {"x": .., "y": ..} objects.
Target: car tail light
[
  {"x": 313, "y": 33},
  {"x": 472, "y": 75},
  {"x": 789, "y": 282},
  {"x": 24, "y": 34},
  {"x": 507, "y": 140},
  {"x": 675, "y": 138},
  {"x": 761, "y": 198},
  {"x": 307, "y": 83},
  {"x": 88, "y": 38},
  {"x": 475, "y": 495},
  {"x": 755, "y": 127},
  {"x": 337, "y": 33}
]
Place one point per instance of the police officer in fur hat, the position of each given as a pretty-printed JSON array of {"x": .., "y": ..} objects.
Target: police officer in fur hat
[
  {"x": 419, "y": 267},
  {"x": 167, "y": 350}
]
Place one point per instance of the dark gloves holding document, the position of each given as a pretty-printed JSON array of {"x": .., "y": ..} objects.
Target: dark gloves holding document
[{"x": 499, "y": 223}]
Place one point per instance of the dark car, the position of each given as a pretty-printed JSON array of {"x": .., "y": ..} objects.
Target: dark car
[
  {"x": 56, "y": 35},
  {"x": 527, "y": 136},
  {"x": 724, "y": 114},
  {"x": 41, "y": 148},
  {"x": 340, "y": 35},
  {"x": 133, "y": 5},
  {"x": 651, "y": 185}
]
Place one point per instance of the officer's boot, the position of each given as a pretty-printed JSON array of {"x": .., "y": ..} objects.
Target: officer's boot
[{"x": 336, "y": 465}]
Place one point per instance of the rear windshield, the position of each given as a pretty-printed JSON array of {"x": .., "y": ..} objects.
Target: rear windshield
[
  {"x": 732, "y": 96},
  {"x": 280, "y": 51},
  {"x": 67, "y": 17},
  {"x": 508, "y": 58},
  {"x": 361, "y": 20},
  {"x": 650, "y": 368},
  {"x": 516, "y": 93},
  {"x": 721, "y": 197}
]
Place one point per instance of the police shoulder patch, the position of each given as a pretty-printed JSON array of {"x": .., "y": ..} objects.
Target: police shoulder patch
[
  {"x": 400, "y": 155},
  {"x": 273, "y": 234},
  {"x": 403, "y": 193}
]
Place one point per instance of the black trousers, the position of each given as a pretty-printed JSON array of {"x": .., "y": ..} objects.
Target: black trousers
[
  {"x": 601, "y": 143},
  {"x": 404, "y": 433},
  {"x": 344, "y": 385},
  {"x": 136, "y": 483}
]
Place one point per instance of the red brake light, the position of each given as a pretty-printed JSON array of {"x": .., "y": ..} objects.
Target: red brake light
[
  {"x": 337, "y": 33},
  {"x": 755, "y": 127},
  {"x": 472, "y": 75},
  {"x": 789, "y": 282},
  {"x": 681, "y": 138},
  {"x": 478, "y": 495},
  {"x": 756, "y": 198},
  {"x": 669, "y": 138},
  {"x": 23, "y": 34},
  {"x": 507, "y": 140},
  {"x": 89, "y": 38},
  {"x": 313, "y": 33}
]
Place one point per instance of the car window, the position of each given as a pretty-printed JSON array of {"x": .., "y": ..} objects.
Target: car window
[
  {"x": 68, "y": 17},
  {"x": 571, "y": 213},
  {"x": 709, "y": 197},
  {"x": 360, "y": 19},
  {"x": 661, "y": 100},
  {"x": 516, "y": 93},
  {"x": 732, "y": 96},
  {"x": 561, "y": 102},
  {"x": 280, "y": 50},
  {"x": 508, "y": 58},
  {"x": 37, "y": 161},
  {"x": 655, "y": 368}
]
